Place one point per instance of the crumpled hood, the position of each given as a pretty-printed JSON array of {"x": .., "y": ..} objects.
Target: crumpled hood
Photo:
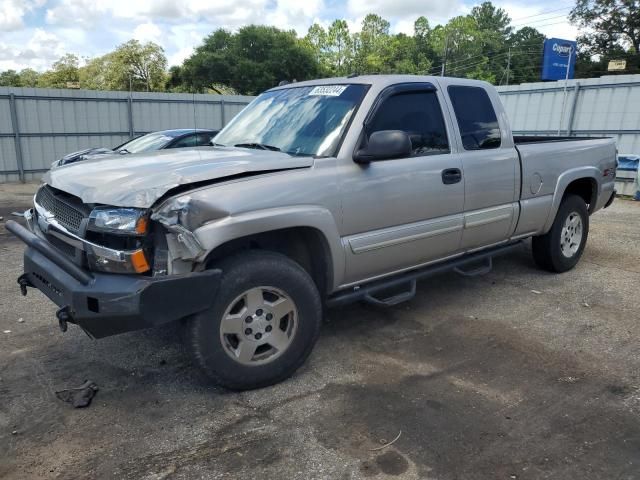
[{"x": 138, "y": 180}]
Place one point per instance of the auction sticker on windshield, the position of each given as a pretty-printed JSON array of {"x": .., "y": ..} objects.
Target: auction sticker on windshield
[{"x": 328, "y": 90}]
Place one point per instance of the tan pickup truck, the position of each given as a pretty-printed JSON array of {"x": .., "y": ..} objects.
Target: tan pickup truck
[{"x": 317, "y": 194}]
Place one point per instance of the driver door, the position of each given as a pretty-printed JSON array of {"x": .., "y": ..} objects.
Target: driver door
[{"x": 407, "y": 211}]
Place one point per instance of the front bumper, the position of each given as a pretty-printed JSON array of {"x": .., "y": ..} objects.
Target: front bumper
[{"x": 105, "y": 304}]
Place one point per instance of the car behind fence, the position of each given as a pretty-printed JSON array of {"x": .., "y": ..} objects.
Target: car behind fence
[{"x": 38, "y": 126}]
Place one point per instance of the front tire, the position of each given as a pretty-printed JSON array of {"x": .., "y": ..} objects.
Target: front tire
[
  {"x": 263, "y": 324},
  {"x": 560, "y": 249}
]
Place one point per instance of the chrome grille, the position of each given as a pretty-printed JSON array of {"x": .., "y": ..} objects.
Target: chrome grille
[{"x": 66, "y": 211}]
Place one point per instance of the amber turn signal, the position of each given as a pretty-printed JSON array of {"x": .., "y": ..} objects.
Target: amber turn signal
[
  {"x": 142, "y": 225},
  {"x": 139, "y": 261}
]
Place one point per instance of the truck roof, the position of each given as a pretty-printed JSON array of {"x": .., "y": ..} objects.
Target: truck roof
[{"x": 382, "y": 81}]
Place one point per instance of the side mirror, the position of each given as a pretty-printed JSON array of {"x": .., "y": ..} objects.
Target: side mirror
[{"x": 384, "y": 145}]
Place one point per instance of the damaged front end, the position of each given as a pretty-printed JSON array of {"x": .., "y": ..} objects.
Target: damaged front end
[
  {"x": 111, "y": 269},
  {"x": 179, "y": 216}
]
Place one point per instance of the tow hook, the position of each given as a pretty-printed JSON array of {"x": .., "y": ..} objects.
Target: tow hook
[
  {"x": 63, "y": 315},
  {"x": 24, "y": 282}
]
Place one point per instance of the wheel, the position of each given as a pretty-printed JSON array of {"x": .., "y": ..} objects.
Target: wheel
[
  {"x": 560, "y": 249},
  {"x": 263, "y": 324}
]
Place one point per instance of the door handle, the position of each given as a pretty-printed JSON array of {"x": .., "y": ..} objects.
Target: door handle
[{"x": 451, "y": 176}]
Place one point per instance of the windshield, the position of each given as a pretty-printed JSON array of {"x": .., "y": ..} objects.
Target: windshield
[
  {"x": 296, "y": 120},
  {"x": 145, "y": 143}
]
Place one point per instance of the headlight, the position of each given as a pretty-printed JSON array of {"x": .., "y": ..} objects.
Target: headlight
[{"x": 119, "y": 220}]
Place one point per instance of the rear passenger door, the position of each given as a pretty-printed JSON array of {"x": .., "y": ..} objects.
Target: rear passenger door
[
  {"x": 490, "y": 169},
  {"x": 402, "y": 212}
]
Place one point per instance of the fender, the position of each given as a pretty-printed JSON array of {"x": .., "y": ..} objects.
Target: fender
[
  {"x": 561, "y": 186},
  {"x": 213, "y": 234}
]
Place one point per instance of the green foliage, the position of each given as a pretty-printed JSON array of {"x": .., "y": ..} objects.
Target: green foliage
[
  {"x": 482, "y": 45},
  {"x": 250, "y": 61},
  {"x": 608, "y": 24},
  {"x": 63, "y": 72},
  {"x": 610, "y": 31},
  {"x": 25, "y": 78},
  {"x": 9, "y": 78}
]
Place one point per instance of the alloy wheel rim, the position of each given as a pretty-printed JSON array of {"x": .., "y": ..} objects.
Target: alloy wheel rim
[
  {"x": 571, "y": 235},
  {"x": 259, "y": 325}
]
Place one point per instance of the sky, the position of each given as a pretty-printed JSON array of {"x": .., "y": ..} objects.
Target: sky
[{"x": 35, "y": 33}]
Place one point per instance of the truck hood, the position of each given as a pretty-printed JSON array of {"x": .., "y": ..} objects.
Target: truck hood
[{"x": 139, "y": 180}]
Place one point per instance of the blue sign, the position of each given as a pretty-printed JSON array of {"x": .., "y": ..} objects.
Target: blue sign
[{"x": 557, "y": 55}]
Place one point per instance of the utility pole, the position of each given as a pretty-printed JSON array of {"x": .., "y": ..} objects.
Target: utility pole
[
  {"x": 444, "y": 57},
  {"x": 508, "y": 65}
]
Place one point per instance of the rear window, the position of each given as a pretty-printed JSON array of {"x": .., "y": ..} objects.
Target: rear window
[{"x": 476, "y": 117}]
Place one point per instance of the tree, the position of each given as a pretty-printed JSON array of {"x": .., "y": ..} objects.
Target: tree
[
  {"x": 64, "y": 71},
  {"x": 140, "y": 67},
  {"x": 143, "y": 65},
  {"x": 250, "y": 61},
  {"x": 460, "y": 41},
  {"x": 9, "y": 78},
  {"x": 526, "y": 56},
  {"x": 607, "y": 24},
  {"x": 371, "y": 45},
  {"x": 340, "y": 47},
  {"x": 29, "y": 77},
  {"x": 493, "y": 25},
  {"x": 317, "y": 39},
  {"x": 491, "y": 19},
  {"x": 95, "y": 74}
]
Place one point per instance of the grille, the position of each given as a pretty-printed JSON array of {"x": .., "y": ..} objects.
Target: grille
[
  {"x": 62, "y": 246},
  {"x": 63, "y": 209}
]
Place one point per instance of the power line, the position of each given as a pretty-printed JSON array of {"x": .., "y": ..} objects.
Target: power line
[
  {"x": 542, "y": 13},
  {"x": 536, "y": 22},
  {"x": 466, "y": 66}
]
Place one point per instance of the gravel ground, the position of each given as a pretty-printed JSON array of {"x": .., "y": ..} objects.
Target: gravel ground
[{"x": 517, "y": 374}]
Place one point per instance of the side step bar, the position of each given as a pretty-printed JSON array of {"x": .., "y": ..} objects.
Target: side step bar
[{"x": 367, "y": 291}]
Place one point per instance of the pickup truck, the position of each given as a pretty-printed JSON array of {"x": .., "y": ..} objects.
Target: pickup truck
[{"x": 317, "y": 194}]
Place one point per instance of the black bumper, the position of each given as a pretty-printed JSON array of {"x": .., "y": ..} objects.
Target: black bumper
[
  {"x": 611, "y": 199},
  {"x": 106, "y": 304}
]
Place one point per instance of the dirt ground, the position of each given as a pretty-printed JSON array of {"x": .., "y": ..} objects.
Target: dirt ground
[{"x": 518, "y": 374}]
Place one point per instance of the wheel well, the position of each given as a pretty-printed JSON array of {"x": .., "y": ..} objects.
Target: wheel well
[
  {"x": 306, "y": 246},
  {"x": 585, "y": 188}
]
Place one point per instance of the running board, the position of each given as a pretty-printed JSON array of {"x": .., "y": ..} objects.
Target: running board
[
  {"x": 367, "y": 291},
  {"x": 474, "y": 272},
  {"x": 393, "y": 300}
]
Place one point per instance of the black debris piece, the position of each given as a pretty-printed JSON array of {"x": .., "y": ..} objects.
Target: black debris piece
[{"x": 79, "y": 397}]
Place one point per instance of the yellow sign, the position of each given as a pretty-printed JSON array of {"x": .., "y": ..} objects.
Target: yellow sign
[{"x": 617, "y": 65}]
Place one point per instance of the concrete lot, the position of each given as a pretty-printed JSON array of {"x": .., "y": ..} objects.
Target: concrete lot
[{"x": 518, "y": 374}]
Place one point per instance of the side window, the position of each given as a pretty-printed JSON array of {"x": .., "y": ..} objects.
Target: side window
[
  {"x": 476, "y": 117},
  {"x": 188, "y": 141},
  {"x": 204, "y": 139},
  {"x": 417, "y": 113}
]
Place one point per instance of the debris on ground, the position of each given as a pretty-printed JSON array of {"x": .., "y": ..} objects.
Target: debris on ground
[
  {"x": 386, "y": 444},
  {"x": 585, "y": 304},
  {"x": 537, "y": 292},
  {"x": 21, "y": 320},
  {"x": 79, "y": 397},
  {"x": 6, "y": 331}
]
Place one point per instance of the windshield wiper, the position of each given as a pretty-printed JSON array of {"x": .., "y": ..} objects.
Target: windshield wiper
[{"x": 259, "y": 146}]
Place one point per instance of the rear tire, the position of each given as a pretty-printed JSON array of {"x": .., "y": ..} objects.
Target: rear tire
[
  {"x": 263, "y": 324},
  {"x": 560, "y": 249}
]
